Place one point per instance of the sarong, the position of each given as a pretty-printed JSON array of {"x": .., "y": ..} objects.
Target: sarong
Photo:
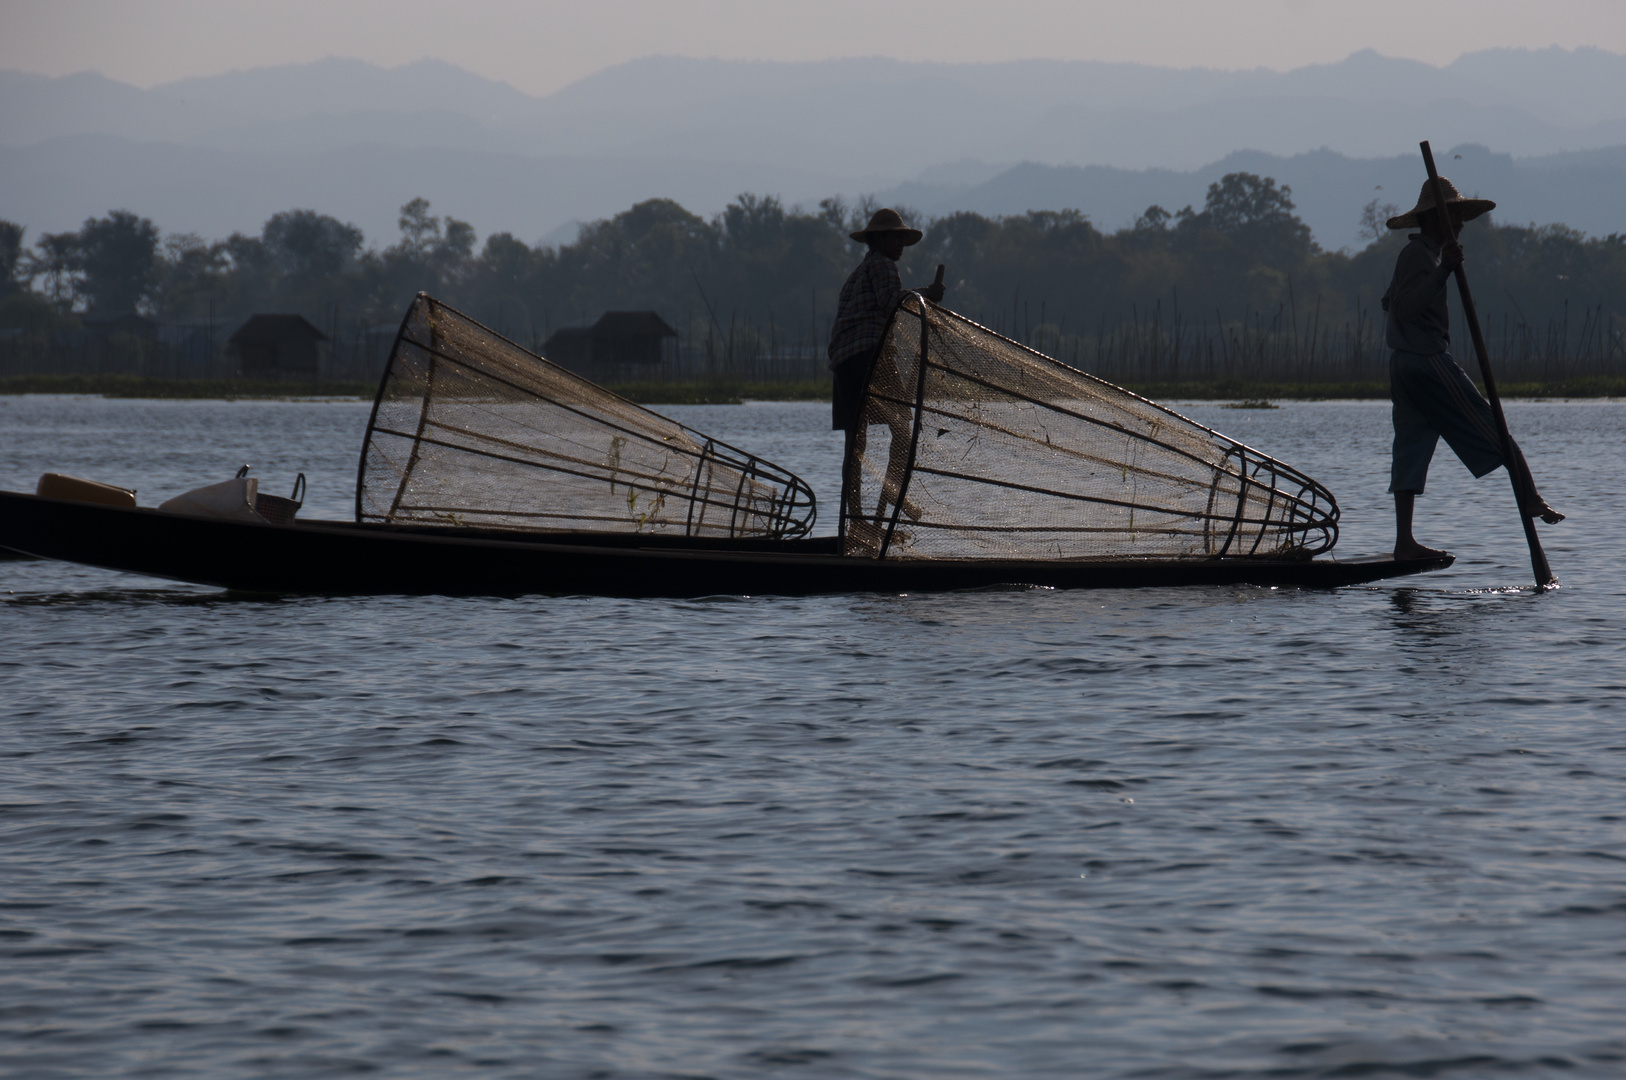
[
  {"x": 850, "y": 380},
  {"x": 1433, "y": 399}
]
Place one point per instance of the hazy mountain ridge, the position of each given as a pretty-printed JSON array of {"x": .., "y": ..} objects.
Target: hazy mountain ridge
[
  {"x": 284, "y": 93},
  {"x": 1329, "y": 189},
  {"x": 213, "y": 192},
  {"x": 348, "y": 138},
  {"x": 1556, "y": 96}
]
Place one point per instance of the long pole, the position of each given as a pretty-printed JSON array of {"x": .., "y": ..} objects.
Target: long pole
[{"x": 1518, "y": 472}]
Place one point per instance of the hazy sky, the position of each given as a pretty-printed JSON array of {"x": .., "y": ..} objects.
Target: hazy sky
[{"x": 541, "y": 45}]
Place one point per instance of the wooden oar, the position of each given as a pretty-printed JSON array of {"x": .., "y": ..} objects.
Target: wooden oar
[{"x": 1517, "y": 470}]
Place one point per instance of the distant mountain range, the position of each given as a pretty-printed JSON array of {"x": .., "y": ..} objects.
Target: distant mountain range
[
  {"x": 1584, "y": 190},
  {"x": 217, "y": 154}
]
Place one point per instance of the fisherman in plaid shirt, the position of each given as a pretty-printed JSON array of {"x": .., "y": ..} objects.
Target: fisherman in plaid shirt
[
  {"x": 867, "y": 301},
  {"x": 857, "y": 337}
]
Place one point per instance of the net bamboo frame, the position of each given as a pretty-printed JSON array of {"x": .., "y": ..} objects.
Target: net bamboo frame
[
  {"x": 973, "y": 446},
  {"x": 470, "y": 429}
]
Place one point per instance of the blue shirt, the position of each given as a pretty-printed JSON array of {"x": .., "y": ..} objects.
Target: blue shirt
[{"x": 1418, "y": 320}]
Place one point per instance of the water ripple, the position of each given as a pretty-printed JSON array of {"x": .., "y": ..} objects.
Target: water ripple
[{"x": 1222, "y": 832}]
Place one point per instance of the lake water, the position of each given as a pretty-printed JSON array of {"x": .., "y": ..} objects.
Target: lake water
[{"x": 1221, "y": 832}]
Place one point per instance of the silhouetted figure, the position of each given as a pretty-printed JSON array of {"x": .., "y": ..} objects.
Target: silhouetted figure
[
  {"x": 1433, "y": 397},
  {"x": 857, "y": 337}
]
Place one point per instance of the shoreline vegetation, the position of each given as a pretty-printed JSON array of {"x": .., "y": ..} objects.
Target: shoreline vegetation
[
  {"x": 1250, "y": 393},
  {"x": 1234, "y": 291}
]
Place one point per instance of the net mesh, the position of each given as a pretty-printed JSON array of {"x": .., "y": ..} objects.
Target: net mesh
[
  {"x": 471, "y": 430},
  {"x": 971, "y": 446}
]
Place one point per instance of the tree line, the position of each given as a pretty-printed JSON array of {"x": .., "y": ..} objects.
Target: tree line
[{"x": 768, "y": 274}]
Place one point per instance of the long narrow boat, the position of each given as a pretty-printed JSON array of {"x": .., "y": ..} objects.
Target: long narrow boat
[
  {"x": 337, "y": 557},
  {"x": 979, "y": 462}
]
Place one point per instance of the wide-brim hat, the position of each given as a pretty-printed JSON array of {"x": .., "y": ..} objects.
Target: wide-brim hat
[
  {"x": 887, "y": 221},
  {"x": 1471, "y": 208}
]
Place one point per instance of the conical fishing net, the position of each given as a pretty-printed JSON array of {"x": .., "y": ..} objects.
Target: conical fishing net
[
  {"x": 972, "y": 446},
  {"x": 470, "y": 429}
]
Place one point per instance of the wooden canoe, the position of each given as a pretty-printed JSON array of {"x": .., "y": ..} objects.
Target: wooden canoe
[{"x": 343, "y": 558}]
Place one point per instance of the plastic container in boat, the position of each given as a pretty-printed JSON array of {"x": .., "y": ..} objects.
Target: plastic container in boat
[{"x": 74, "y": 489}]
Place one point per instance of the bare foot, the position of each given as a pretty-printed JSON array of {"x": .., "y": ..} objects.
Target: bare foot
[
  {"x": 1546, "y": 513},
  {"x": 1411, "y": 549}
]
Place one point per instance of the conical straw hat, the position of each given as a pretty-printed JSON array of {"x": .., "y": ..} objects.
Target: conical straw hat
[
  {"x": 885, "y": 221},
  {"x": 1471, "y": 208}
]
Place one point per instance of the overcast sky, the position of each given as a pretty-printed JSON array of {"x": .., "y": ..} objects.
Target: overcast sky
[{"x": 542, "y": 45}]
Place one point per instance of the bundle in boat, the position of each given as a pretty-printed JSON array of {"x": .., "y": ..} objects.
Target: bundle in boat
[
  {"x": 470, "y": 429},
  {"x": 972, "y": 446}
]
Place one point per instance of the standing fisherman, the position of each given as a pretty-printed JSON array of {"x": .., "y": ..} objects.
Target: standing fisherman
[
  {"x": 868, "y": 298},
  {"x": 1433, "y": 397}
]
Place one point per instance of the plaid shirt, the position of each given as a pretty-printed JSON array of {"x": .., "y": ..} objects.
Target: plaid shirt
[{"x": 866, "y": 304}]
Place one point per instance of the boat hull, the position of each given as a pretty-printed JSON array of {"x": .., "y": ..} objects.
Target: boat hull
[{"x": 341, "y": 558}]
